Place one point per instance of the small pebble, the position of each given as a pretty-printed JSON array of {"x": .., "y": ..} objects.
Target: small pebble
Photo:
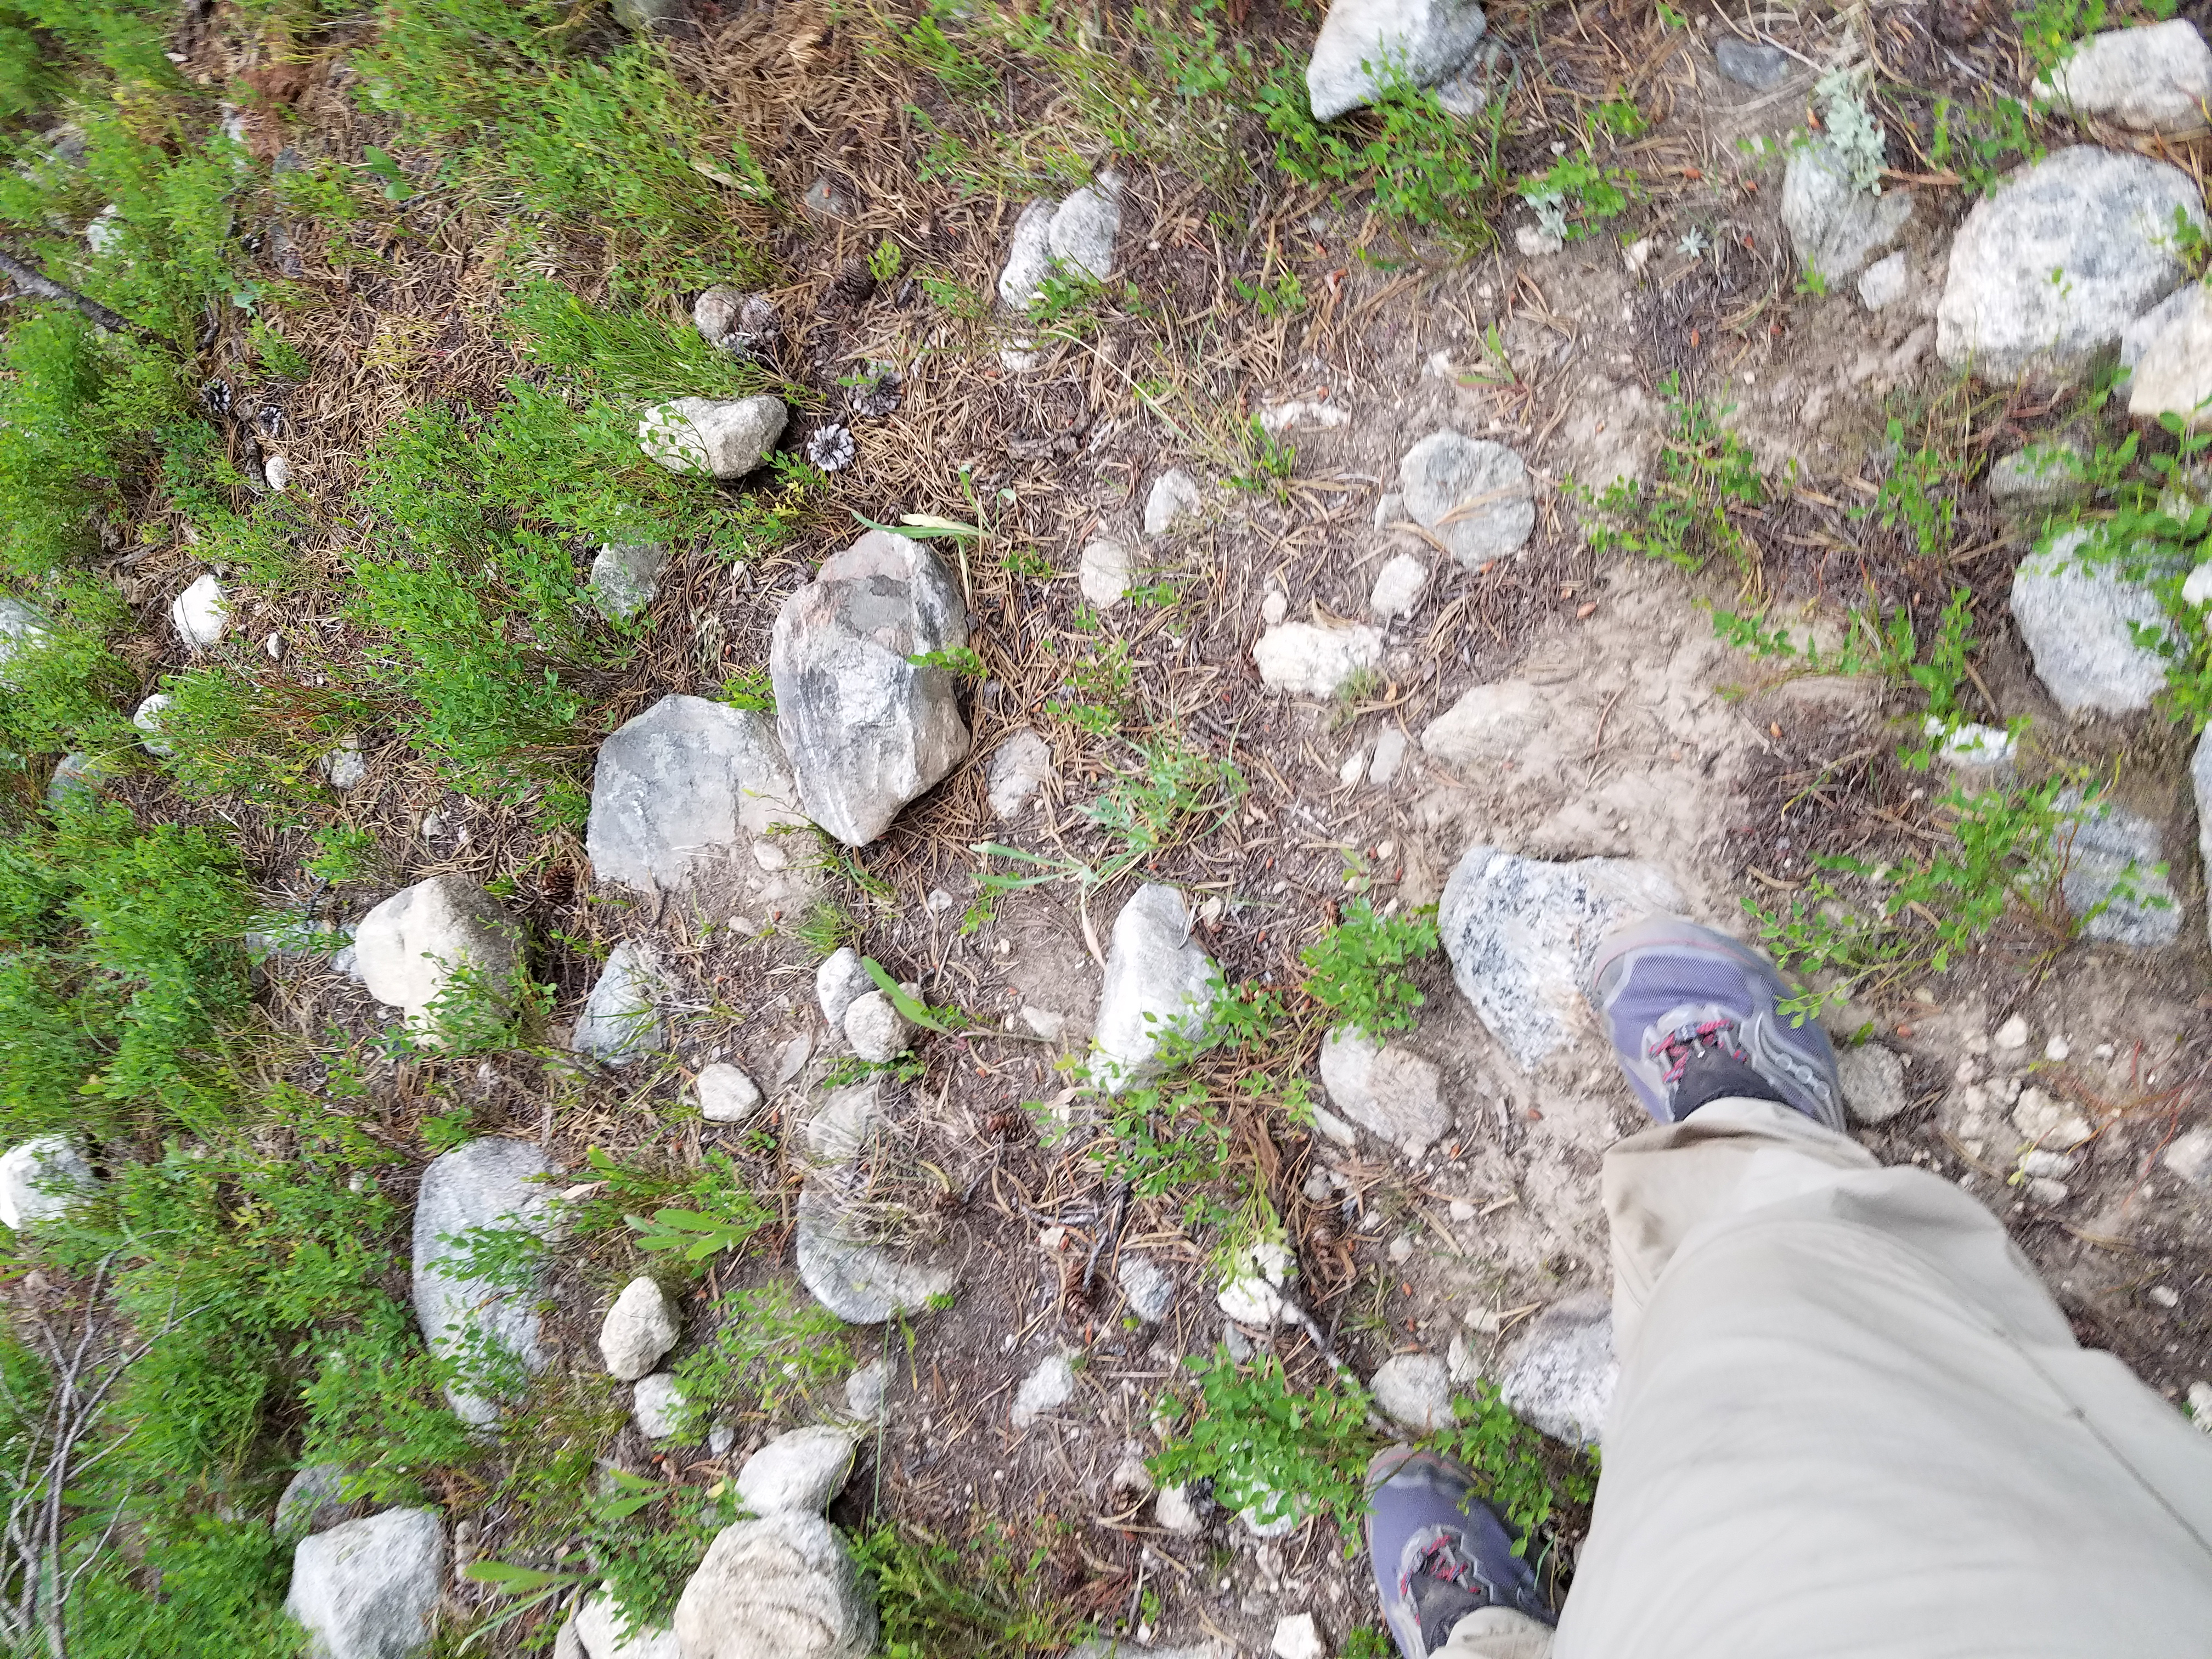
[
  {"x": 2013, "y": 1034},
  {"x": 1978, "y": 1043},
  {"x": 1402, "y": 1248},
  {"x": 2166, "y": 1296},
  {"x": 2056, "y": 1048},
  {"x": 1462, "y": 1210}
]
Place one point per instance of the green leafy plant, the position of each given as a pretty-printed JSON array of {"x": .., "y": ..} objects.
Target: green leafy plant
[
  {"x": 982, "y": 1599},
  {"x": 772, "y": 1347},
  {"x": 1350, "y": 969},
  {"x": 1706, "y": 472},
  {"x": 1269, "y": 1448},
  {"x": 1575, "y": 195}
]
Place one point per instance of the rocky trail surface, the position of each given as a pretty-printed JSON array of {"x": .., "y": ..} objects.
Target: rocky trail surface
[{"x": 1051, "y": 927}]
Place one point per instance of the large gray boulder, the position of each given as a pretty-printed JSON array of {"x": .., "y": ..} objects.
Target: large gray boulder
[
  {"x": 2152, "y": 79},
  {"x": 2166, "y": 356},
  {"x": 438, "y": 940},
  {"x": 684, "y": 789},
  {"x": 621, "y": 1019},
  {"x": 367, "y": 1588},
  {"x": 1159, "y": 983},
  {"x": 489, "y": 1327},
  {"x": 867, "y": 728},
  {"x": 2046, "y": 272},
  {"x": 1473, "y": 495},
  {"x": 1361, "y": 41},
  {"x": 844, "y": 1266},
  {"x": 1560, "y": 1377},
  {"x": 1521, "y": 934},
  {"x": 802, "y": 1469},
  {"x": 1834, "y": 225},
  {"x": 724, "y": 438},
  {"x": 779, "y": 1588},
  {"x": 40, "y": 1179},
  {"x": 2116, "y": 859},
  {"x": 2079, "y": 626}
]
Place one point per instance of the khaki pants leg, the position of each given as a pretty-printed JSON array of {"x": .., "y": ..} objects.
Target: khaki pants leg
[
  {"x": 1496, "y": 1633},
  {"x": 1851, "y": 1422}
]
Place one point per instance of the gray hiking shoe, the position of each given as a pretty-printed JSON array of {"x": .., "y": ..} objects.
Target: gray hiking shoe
[
  {"x": 1692, "y": 1016},
  {"x": 1439, "y": 1551}
]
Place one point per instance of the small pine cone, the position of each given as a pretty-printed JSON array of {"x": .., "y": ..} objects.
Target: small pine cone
[
  {"x": 878, "y": 392},
  {"x": 832, "y": 448}
]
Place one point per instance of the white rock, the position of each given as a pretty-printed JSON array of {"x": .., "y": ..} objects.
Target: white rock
[
  {"x": 1019, "y": 768},
  {"x": 2166, "y": 356},
  {"x": 862, "y": 1282},
  {"x": 1970, "y": 746},
  {"x": 1300, "y": 415},
  {"x": 1389, "y": 756},
  {"x": 106, "y": 230},
  {"x": 600, "y": 1624},
  {"x": 1488, "y": 724},
  {"x": 1472, "y": 494},
  {"x": 724, "y": 438},
  {"x": 657, "y": 1405},
  {"x": 838, "y": 983},
  {"x": 2113, "y": 869},
  {"x": 1253, "y": 1289},
  {"x": 2077, "y": 625},
  {"x": 2103, "y": 221},
  {"x": 2049, "y": 1123},
  {"x": 200, "y": 613},
  {"x": 1159, "y": 983},
  {"x": 40, "y": 1179},
  {"x": 621, "y": 1019},
  {"x": 726, "y": 1094},
  {"x": 2044, "y": 474},
  {"x": 2151, "y": 79},
  {"x": 1833, "y": 225},
  {"x": 685, "y": 788},
  {"x": 2011, "y": 1035},
  {"x": 276, "y": 472},
  {"x": 2189, "y": 1155},
  {"x": 1296, "y": 1637},
  {"x": 344, "y": 768},
  {"x": 1173, "y": 1508},
  {"x": 1560, "y": 1377},
  {"x": 638, "y": 1330},
  {"x": 1884, "y": 283},
  {"x": 1174, "y": 499},
  {"x": 1353, "y": 768},
  {"x": 1080, "y": 234},
  {"x": 779, "y": 1588},
  {"x": 877, "y": 1032},
  {"x": 1874, "y": 1082},
  {"x": 408, "y": 950},
  {"x": 1414, "y": 1390},
  {"x": 1043, "y": 1022},
  {"x": 625, "y": 575},
  {"x": 1149, "y": 1291},
  {"x": 867, "y": 1390},
  {"x": 866, "y": 730},
  {"x": 839, "y": 1129},
  {"x": 1536, "y": 243},
  {"x": 1309, "y": 660},
  {"x": 147, "y": 717},
  {"x": 368, "y": 1588},
  {"x": 802, "y": 1469},
  {"x": 1399, "y": 586},
  {"x": 1103, "y": 571},
  {"x": 1387, "y": 1089},
  {"x": 2200, "y": 1405},
  {"x": 1521, "y": 934},
  {"x": 1274, "y": 606},
  {"x": 493, "y": 1185},
  {"x": 1044, "y": 1390},
  {"x": 1424, "y": 41},
  {"x": 1029, "y": 257}
]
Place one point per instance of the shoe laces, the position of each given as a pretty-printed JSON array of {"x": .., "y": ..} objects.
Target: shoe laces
[
  {"x": 1678, "y": 1047},
  {"x": 1444, "y": 1562}
]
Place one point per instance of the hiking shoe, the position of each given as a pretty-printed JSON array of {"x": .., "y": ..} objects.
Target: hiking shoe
[
  {"x": 1439, "y": 1551},
  {"x": 1693, "y": 1015}
]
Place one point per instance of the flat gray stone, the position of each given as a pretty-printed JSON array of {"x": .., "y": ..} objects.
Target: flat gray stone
[
  {"x": 1424, "y": 41},
  {"x": 600, "y": 1624},
  {"x": 839, "y": 982},
  {"x": 638, "y": 1330},
  {"x": 1472, "y": 494},
  {"x": 1522, "y": 933},
  {"x": 657, "y": 1404},
  {"x": 2077, "y": 626},
  {"x": 2104, "y": 222},
  {"x": 724, "y": 438},
  {"x": 1313, "y": 661},
  {"x": 438, "y": 939},
  {"x": 859, "y": 1281},
  {"x": 1752, "y": 63},
  {"x": 2165, "y": 357},
  {"x": 40, "y": 1179},
  {"x": 1149, "y": 1291},
  {"x": 1884, "y": 282},
  {"x": 802, "y": 1469},
  {"x": 782, "y": 1587},
  {"x": 1834, "y": 225},
  {"x": 1398, "y": 587},
  {"x": 1174, "y": 499},
  {"x": 1019, "y": 768},
  {"x": 1159, "y": 983},
  {"x": 1560, "y": 1377},
  {"x": 1488, "y": 724},
  {"x": 1413, "y": 1390},
  {"x": 866, "y": 728},
  {"x": 726, "y": 1094},
  {"x": 1103, "y": 571},
  {"x": 2114, "y": 860},
  {"x": 1044, "y": 1390},
  {"x": 1082, "y": 231},
  {"x": 367, "y": 1588},
  {"x": 1385, "y": 1088},
  {"x": 1874, "y": 1082},
  {"x": 2038, "y": 476},
  {"x": 488, "y": 1184},
  {"x": 313, "y": 1501},
  {"x": 688, "y": 788},
  {"x": 625, "y": 575},
  {"x": 621, "y": 1021},
  {"x": 2154, "y": 78}
]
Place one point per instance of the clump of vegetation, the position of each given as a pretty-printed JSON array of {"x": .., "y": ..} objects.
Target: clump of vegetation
[
  {"x": 1706, "y": 471},
  {"x": 985, "y": 1598},
  {"x": 1351, "y": 968}
]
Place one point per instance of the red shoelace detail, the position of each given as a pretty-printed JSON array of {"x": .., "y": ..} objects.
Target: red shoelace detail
[
  {"x": 1441, "y": 1562},
  {"x": 1677, "y": 1046}
]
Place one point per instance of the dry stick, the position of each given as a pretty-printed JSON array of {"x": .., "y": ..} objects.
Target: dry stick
[{"x": 44, "y": 288}]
